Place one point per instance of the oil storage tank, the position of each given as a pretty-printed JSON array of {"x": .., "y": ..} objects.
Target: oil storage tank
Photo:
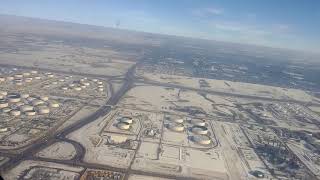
[
  {"x": 177, "y": 127},
  {"x": 201, "y": 139}
]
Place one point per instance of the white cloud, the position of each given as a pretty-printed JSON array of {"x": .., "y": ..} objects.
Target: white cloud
[
  {"x": 281, "y": 27},
  {"x": 251, "y": 16},
  {"x": 214, "y": 11},
  {"x": 239, "y": 28},
  {"x": 271, "y": 35},
  {"x": 207, "y": 12}
]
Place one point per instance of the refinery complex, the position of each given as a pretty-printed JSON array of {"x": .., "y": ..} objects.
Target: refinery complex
[
  {"x": 34, "y": 103},
  {"x": 81, "y": 127}
]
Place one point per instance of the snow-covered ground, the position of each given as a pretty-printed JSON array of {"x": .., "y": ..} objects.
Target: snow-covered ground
[
  {"x": 59, "y": 150},
  {"x": 233, "y": 87}
]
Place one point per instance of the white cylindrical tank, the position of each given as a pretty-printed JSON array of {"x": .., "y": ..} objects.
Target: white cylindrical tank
[
  {"x": 43, "y": 110},
  {"x": 30, "y": 113},
  {"x": 34, "y": 72},
  {"x": 123, "y": 126},
  {"x": 126, "y": 120},
  {"x": 94, "y": 80},
  {"x": 178, "y": 120},
  {"x": 2, "y": 79},
  {"x": 100, "y": 89},
  {"x": 3, "y": 93},
  {"x": 30, "y": 99},
  {"x": 49, "y": 74},
  {"x": 26, "y": 108},
  {"x": 101, "y": 86},
  {"x": 3, "y": 104},
  {"x": 99, "y": 82},
  {"x": 77, "y": 88},
  {"x": 198, "y": 122},
  {"x": 199, "y": 130},
  {"x": 37, "y": 102},
  {"x": 18, "y": 80},
  {"x": 64, "y": 88},
  {"x": 10, "y": 78},
  {"x": 176, "y": 127},
  {"x": 54, "y": 104},
  {"x": 29, "y": 79},
  {"x": 18, "y": 75},
  {"x": 37, "y": 77},
  {"x": 201, "y": 139},
  {"x": 26, "y": 74},
  {"x": 86, "y": 83},
  {"x": 3, "y": 129},
  {"x": 6, "y": 110},
  {"x": 13, "y": 97},
  {"x": 44, "y": 98},
  {"x": 25, "y": 95},
  {"x": 18, "y": 104},
  {"x": 15, "y": 113}
]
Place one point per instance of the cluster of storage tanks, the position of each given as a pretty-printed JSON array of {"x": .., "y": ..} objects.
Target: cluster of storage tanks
[
  {"x": 199, "y": 129},
  {"x": 200, "y": 132},
  {"x": 83, "y": 84},
  {"x": 27, "y": 77},
  {"x": 16, "y": 104},
  {"x": 21, "y": 78},
  {"x": 125, "y": 123}
]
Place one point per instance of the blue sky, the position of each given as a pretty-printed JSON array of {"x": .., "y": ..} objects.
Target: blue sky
[{"x": 291, "y": 24}]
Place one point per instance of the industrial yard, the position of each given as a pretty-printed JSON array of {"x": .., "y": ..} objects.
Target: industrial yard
[
  {"x": 35, "y": 103},
  {"x": 153, "y": 142}
]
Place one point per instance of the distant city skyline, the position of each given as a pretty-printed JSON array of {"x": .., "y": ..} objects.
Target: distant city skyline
[{"x": 289, "y": 24}]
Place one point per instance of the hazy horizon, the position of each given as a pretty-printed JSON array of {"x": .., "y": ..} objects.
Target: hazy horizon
[
  {"x": 285, "y": 24},
  {"x": 248, "y": 44}
]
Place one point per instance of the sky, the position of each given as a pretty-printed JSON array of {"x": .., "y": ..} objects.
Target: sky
[{"x": 293, "y": 24}]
